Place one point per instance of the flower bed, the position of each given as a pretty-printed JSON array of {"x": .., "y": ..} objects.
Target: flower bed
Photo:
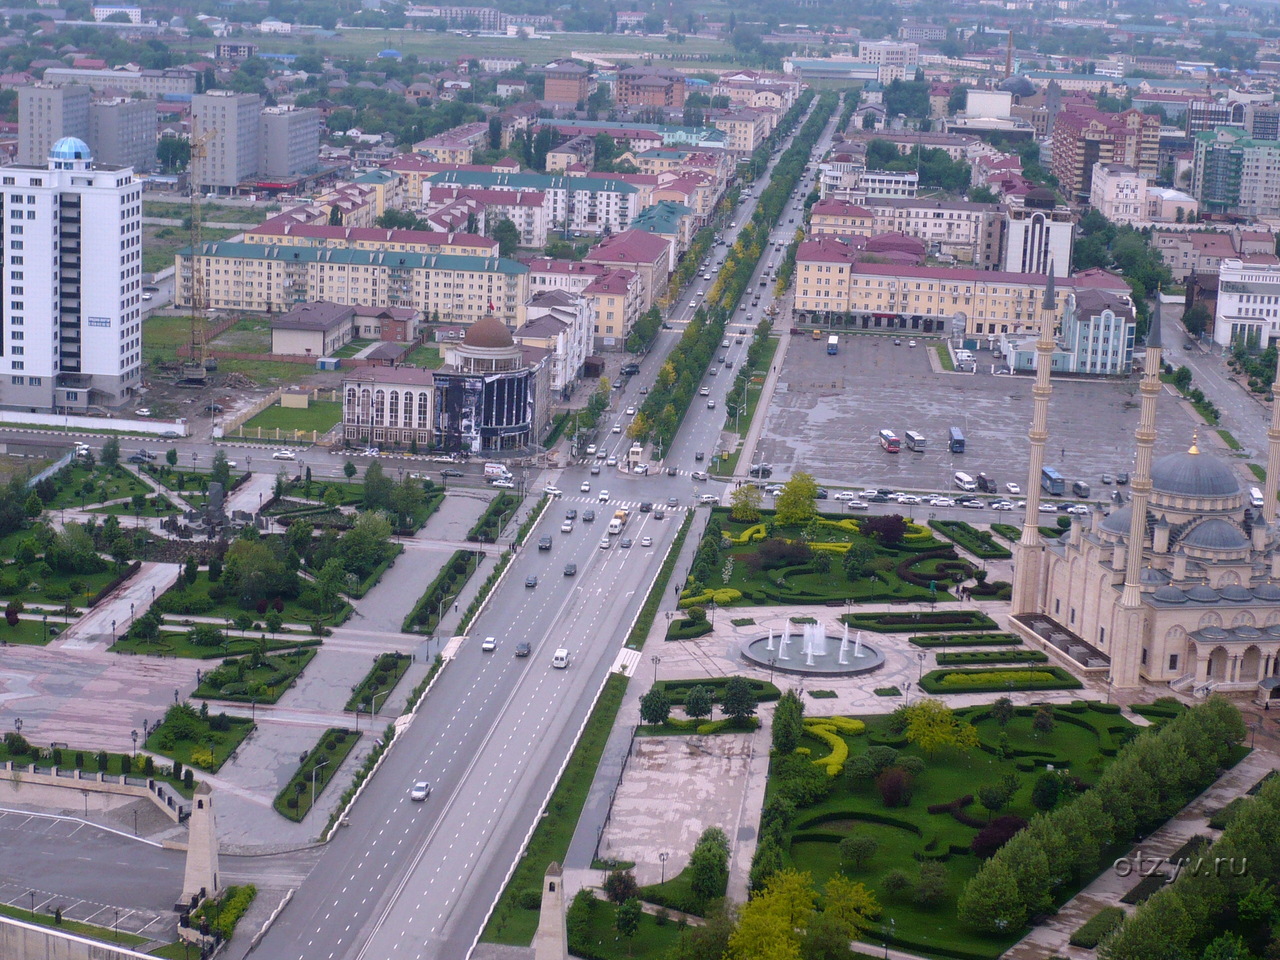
[
  {"x": 999, "y": 680},
  {"x": 968, "y": 640},
  {"x": 907, "y": 622},
  {"x": 965, "y": 658},
  {"x": 295, "y": 800},
  {"x": 381, "y": 678},
  {"x": 978, "y": 542}
]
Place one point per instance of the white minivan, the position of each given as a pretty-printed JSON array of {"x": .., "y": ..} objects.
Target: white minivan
[
  {"x": 1255, "y": 497},
  {"x": 560, "y": 659},
  {"x": 964, "y": 481}
]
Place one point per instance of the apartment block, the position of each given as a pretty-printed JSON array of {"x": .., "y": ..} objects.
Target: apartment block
[
  {"x": 594, "y": 205},
  {"x": 1084, "y": 136},
  {"x": 46, "y": 114},
  {"x": 122, "y": 132},
  {"x": 649, "y": 87},
  {"x": 869, "y": 295},
  {"x": 1248, "y": 310},
  {"x": 1234, "y": 174},
  {"x": 1039, "y": 236},
  {"x": 230, "y": 122},
  {"x": 1118, "y": 192},
  {"x": 566, "y": 83},
  {"x": 273, "y": 278},
  {"x": 71, "y": 324},
  {"x": 970, "y": 232},
  {"x": 889, "y": 53},
  {"x": 289, "y": 142},
  {"x": 150, "y": 83}
]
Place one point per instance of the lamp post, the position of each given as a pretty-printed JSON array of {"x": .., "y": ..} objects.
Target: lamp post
[
  {"x": 712, "y": 607},
  {"x": 920, "y": 676},
  {"x": 113, "y": 631},
  {"x": 133, "y": 735},
  {"x": 662, "y": 859},
  {"x": 17, "y": 725},
  {"x": 655, "y": 660},
  {"x": 893, "y": 925},
  {"x": 1109, "y": 688},
  {"x": 374, "y": 711},
  {"x": 313, "y": 779},
  {"x": 131, "y": 611},
  {"x": 33, "y": 904},
  {"x": 906, "y": 693},
  {"x": 253, "y": 709}
]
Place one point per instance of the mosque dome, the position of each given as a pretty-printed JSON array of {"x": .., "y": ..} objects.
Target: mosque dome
[
  {"x": 1236, "y": 593},
  {"x": 1118, "y": 520},
  {"x": 489, "y": 333},
  {"x": 1266, "y": 591},
  {"x": 1168, "y": 594},
  {"x": 70, "y": 148},
  {"x": 1216, "y": 534},
  {"x": 1203, "y": 594},
  {"x": 1194, "y": 474}
]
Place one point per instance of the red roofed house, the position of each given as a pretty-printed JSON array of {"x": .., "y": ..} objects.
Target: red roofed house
[
  {"x": 649, "y": 255},
  {"x": 841, "y": 218}
]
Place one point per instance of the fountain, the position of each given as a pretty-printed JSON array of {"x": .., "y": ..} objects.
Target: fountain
[{"x": 822, "y": 653}]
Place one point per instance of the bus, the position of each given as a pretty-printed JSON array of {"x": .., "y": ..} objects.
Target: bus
[
  {"x": 955, "y": 440},
  {"x": 833, "y": 345},
  {"x": 915, "y": 441},
  {"x": 1052, "y": 482},
  {"x": 889, "y": 440}
]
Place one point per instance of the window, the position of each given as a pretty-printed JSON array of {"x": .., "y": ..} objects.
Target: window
[
  {"x": 17, "y": 381},
  {"x": 1173, "y": 661},
  {"x": 19, "y": 365}
]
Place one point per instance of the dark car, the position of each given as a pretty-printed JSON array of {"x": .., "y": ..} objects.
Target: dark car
[
  {"x": 761, "y": 470},
  {"x": 1122, "y": 478},
  {"x": 213, "y": 408},
  {"x": 570, "y": 569},
  {"x": 451, "y": 472},
  {"x": 630, "y": 369},
  {"x": 571, "y": 514},
  {"x": 645, "y": 506},
  {"x": 137, "y": 458},
  {"x": 671, "y": 471},
  {"x": 146, "y": 455},
  {"x": 530, "y": 581},
  {"x": 626, "y": 543},
  {"x": 522, "y": 649},
  {"x": 699, "y": 456},
  {"x": 588, "y": 516},
  {"x": 544, "y": 543},
  {"x": 822, "y": 493},
  {"x": 878, "y": 498}
]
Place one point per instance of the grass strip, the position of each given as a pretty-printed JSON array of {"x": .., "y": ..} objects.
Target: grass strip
[
  {"x": 944, "y": 357},
  {"x": 511, "y": 922},
  {"x": 1230, "y": 440},
  {"x": 318, "y": 767},
  {"x": 644, "y": 622},
  {"x": 381, "y": 679},
  {"x": 473, "y": 609},
  {"x": 52, "y": 921}
]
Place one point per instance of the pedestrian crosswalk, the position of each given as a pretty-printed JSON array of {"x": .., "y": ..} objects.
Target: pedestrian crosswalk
[{"x": 626, "y": 662}]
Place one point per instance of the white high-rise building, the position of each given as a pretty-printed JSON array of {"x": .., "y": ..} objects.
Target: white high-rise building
[{"x": 70, "y": 316}]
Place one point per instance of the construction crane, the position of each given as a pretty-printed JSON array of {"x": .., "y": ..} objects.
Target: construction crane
[{"x": 199, "y": 363}]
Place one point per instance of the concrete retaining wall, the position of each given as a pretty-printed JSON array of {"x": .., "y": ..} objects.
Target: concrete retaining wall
[
  {"x": 32, "y": 942},
  {"x": 145, "y": 426},
  {"x": 164, "y": 796}
]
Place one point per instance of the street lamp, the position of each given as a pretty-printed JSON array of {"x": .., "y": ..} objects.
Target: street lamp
[
  {"x": 17, "y": 724},
  {"x": 253, "y": 709},
  {"x": 920, "y": 656},
  {"x": 662, "y": 859},
  {"x": 374, "y": 711},
  {"x": 133, "y": 735},
  {"x": 712, "y": 607},
  {"x": 655, "y": 660},
  {"x": 313, "y": 779},
  {"x": 33, "y": 904},
  {"x": 893, "y": 925},
  {"x": 113, "y": 631},
  {"x": 907, "y": 693}
]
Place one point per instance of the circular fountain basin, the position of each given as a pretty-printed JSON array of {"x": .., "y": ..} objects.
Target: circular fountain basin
[{"x": 817, "y": 656}]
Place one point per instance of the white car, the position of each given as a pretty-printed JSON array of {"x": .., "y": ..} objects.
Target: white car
[
  {"x": 604, "y": 496},
  {"x": 566, "y": 527},
  {"x": 646, "y": 541},
  {"x": 857, "y": 505},
  {"x": 551, "y": 491},
  {"x": 724, "y": 343},
  {"x": 611, "y": 462},
  {"x": 1013, "y": 489},
  {"x": 693, "y": 304},
  {"x": 142, "y": 412},
  {"x": 911, "y": 343},
  {"x": 591, "y": 449},
  {"x": 1001, "y": 505},
  {"x": 586, "y": 486},
  {"x": 704, "y": 392},
  {"x": 421, "y": 790},
  {"x": 617, "y": 428},
  {"x": 1048, "y": 508},
  {"x": 845, "y": 495},
  {"x": 711, "y": 404},
  {"x": 284, "y": 455},
  {"x": 146, "y": 296},
  {"x": 942, "y": 502},
  {"x": 1078, "y": 508},
  {"x": 708, "y": 498},
  {"x": 489, "y": 645},
  {"x": 504, "y": 484},
  {"x": 605, "y": 543},
  {"x": 909, "y": 498},
  {"x": 630, "y": 411}
]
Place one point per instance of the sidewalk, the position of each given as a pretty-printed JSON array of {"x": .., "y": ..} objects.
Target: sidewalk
[
  {"x": 113, "y": 615},
  {"x": 747, "y": 456}
]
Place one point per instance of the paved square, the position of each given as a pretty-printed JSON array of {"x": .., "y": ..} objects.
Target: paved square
[{"x": 828, "y": 410}]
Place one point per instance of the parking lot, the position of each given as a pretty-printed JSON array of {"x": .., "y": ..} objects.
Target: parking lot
[{"x": 828, "y": 410}]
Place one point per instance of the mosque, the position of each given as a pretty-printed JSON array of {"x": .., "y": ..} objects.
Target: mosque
[{"x": 1181, "y": 586}]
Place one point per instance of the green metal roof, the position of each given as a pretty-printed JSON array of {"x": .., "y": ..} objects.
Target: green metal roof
[
  {"x": 372, "y": 258},
  {"x": 488, "y": 180},
  {"x": 663, "y": 217}
]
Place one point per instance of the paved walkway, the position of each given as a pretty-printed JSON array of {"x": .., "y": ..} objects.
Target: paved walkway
[
  {"x": 113, "y": 615},
  {"x": 756, "y": 430}
]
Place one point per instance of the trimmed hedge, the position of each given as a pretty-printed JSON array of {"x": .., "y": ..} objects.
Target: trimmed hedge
[
  {"x": 453, "y": 576},
  {"x": 1093, "y": 930},
  {"x": 390, "y": 667},
  {"x": 998, "y": 680},
  {"x": 678, "y": 690},
  {"x": 102, "y": 594},
  {"x": 325, "y": 759},
  {"x": 966, "y": 658},
  {"x": 494, "y": 518},
  {"x": 687, "y": 629},
  {"x": 907, "y": 622},
  {"x": 968, "y": 640},
  {"x": 978, "y": 542}
]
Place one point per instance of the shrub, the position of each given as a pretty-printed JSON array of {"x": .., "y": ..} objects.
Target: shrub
[
  {"x": 1096, "y": 928},
  {"x": 895, "y": 787},
  {"x": 896, "y": 884},
  {"x": 995, "y": 835}
]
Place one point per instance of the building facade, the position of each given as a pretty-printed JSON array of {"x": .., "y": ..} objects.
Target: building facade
[
  {"x": 289, "y": 141},
  {"x": 563, "y": 324},
  {"x": 1235, "y": 174},
  {"x": 46, "y": 114},
  {"x": 122, "y": 133},
  {"x": 392, "y": 405},
  {"x": 1248, "y": 310},
  {"x": 228, "y": 123},
  {"x": 177, "y": 81},
  {"x": 1118, "y": 192},
  {"x": 71, "y": 325},
  {"x": 1039, "y": 236},
  {"x": 1084, "y": 136}
]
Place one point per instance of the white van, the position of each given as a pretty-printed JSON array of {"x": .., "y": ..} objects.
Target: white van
[
  {"x": 560, "y": 659},
  {"x": 1255, "y": 497},
  {"x": 964, "y": 356},
  {"x": 964, "y": 481}
]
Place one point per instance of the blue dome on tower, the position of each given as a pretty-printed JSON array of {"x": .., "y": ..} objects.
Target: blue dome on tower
[{"x": 70, "y": 148}]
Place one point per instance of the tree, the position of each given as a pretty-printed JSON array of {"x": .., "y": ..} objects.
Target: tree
[
  {"x": 220, "y": 472},
  {"x": 1046, "y": 790},
  {"x": 244, "y": 623},
  {"x": 171, "y": 456},
  {"x": 33, "y": 506},
  {"x": 739, "y": 700},
  {"x": 626, "y": 920},
  {"x": 709, "y": 865},
  {"x": 770, "y": 924},
  {"x": 508, "y": 236},
  {"x": 620, "y": 886},
  {"x": 744, "y": 503},
  {"x": 994, "y": 796},
  {"x": 190, "y": 569},
  {"x": 1197, "y": 319},
  {"x": 274, "y": 622},
  {"x": 788, "y": 723},
  {"x": 857, "y": 559},
  {"x": 111, "y": 453},
  {"x": 698, "y": 702},
  {"x": 173, "y": 153},
  {"x": 990, "y": 901},
  {"x": 797, "y": 501},
  {"x": 377, "y": 488},
  {"x": 655, "y": 706},
  {"x": 931, "y": 726},
  {"x": 851, "y": 905},
  {"x": 1042, "y": 722},
  {"x": 858, "y": 850},
  {"x": 888, "y": 529},
  {"x": 349, "y": 469},
  {"x": 1002, "y": 711}
]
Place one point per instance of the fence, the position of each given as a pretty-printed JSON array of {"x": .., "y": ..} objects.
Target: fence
[
  {"x": 162, "y": 794},
  {"x": 213, "y": 331},
  {"x": 236, "y": 422}
]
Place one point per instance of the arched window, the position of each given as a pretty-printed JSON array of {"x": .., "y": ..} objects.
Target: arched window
[
  {"x": 379, "y": 408},
  {"x": 393, "y": 414}
]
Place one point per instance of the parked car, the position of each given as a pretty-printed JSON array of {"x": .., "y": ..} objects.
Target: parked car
[
  {"x": 503, "y": 484},
  {"x": 1013, "y": 489}
]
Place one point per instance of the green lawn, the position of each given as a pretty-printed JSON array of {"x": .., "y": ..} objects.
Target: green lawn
[
  {"x": 267, "y": 372},
  {"x": 298, "y": 795},
  {"x": 78, "y": 486},
  {"x": 320, "y": 416},
  {"x": 1082, "y": 741},
  {"x": 173, "y": 644},
  {"x": 29, "y": 632},
  {"x": 352, "y": 348},
  {"x": 126, "y": 509},
  {"x": 262, "y": 679},
  {"x": 248, "y": 335},
  {"x": 73, "y": 926},
  {"x": 754, "y": 390},
  {"x": 162, "y": 335},
  {"x": 651, "y": 941},
  {"x": 221, "y": 743},
  {"x": 293, "y": 611},
  {"x": 160, "y": 244},
  {"x": 379, "y": 681},
  {"x": 425, "y": 356},
  {"x": 218, "y": 213},
  {"x": 56, "y": 587}
]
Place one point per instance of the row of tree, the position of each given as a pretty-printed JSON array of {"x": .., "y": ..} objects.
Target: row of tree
[{"x": 1151, "y": 779}]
